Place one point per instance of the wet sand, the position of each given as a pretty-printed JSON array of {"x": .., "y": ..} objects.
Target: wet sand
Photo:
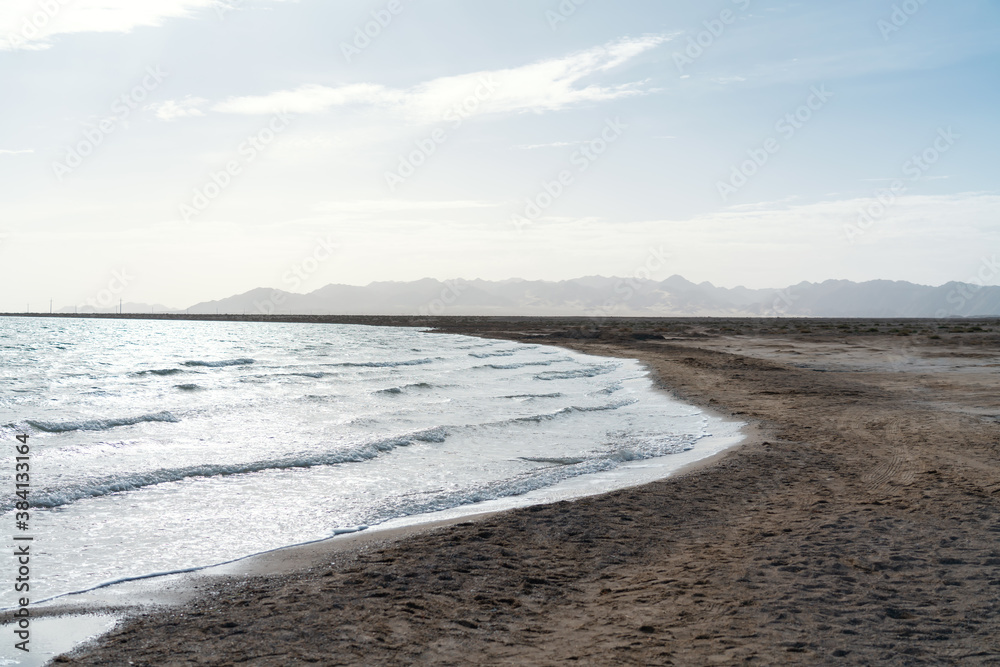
[{"x": 859, "y": 524}]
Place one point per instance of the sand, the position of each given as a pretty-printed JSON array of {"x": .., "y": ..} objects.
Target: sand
[{"x": 858, "y": 524}]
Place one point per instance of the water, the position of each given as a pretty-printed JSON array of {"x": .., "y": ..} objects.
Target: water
[
  {"x": 52, "y": 636},
  {"x": 158, "y": 446}
]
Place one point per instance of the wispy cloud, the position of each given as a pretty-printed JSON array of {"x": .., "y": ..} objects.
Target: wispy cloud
[
  {"x": 397, "y": 205},
  {"x": 311, "y": 99},
  {"x": 4, "y": 151},
  {"x": 548, "y": 85},
  {"x": 174, "y": 109},
  {"x": 723, "y": 80},
  {"x": 30, "y": 24}
]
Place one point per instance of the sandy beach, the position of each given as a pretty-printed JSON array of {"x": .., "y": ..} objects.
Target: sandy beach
[{"x": 859, "y": 523}]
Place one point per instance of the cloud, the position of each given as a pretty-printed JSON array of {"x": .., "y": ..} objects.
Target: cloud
[
  {"x": 548, "y": 85},
  {"x": 173, "y": 109},
  {"x": 30, "y": 24},
  {"x": 396, "y": 205},
  {"x": 4, "y": 151},
  {"x": 311, "y": 99},
  {"x": 723, "y": 80}
]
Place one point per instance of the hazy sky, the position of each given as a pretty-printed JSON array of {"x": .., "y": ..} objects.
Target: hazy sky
[{"x": 175, "y": 151}]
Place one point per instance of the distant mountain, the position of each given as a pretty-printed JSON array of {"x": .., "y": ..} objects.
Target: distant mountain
[{"x": 596, "y": 296}]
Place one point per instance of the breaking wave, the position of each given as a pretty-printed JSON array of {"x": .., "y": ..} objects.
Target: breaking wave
[
  {"x": 220, "y": 364},
  {"x": 586, "y": 372},
  {"x": 487, "y": 355},
  {"x": 556, "y": 470},
  {"x": 400, "y": 390},
  {"x": 133, "y": 481},
  {"x": 384, "y": 364},
  {"x": 99, "y": 424}
]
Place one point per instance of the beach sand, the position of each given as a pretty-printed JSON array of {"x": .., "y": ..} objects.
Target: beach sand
[{"x": 859, "y": 523}]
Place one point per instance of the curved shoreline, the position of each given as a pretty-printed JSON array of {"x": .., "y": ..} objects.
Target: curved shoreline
[
  {"x": 861, "y": 529},
  {"x": 184, "y": 583}
]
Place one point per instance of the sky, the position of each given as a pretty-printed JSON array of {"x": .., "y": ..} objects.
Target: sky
[{"x": 176, "y": 151}]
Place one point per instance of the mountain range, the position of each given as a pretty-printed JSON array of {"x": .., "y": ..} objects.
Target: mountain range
[{"x": 597, "y": 296}]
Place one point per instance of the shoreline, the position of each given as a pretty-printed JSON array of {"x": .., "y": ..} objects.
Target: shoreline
[
  {"x": 134, "y": 596},
  {"x": 860, "y": 527}
]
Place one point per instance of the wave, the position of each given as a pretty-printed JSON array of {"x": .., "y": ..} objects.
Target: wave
[
  {"x": 585, "y": 372},
  {"x": 400, "y": 390},
  {"x": 321, "y": 397},
  {"x": 316, "y": 375},
  {"x": 562, "y": 469},
  {"x": 555, "y": 395},
  {"x": 187, "y": 387},
  {"x": 487, "y": 355},
  {"x": 436, "y": 434},
  {"x": 134, "y": 481},
  {"x": 523, "y": 364},
  {"x": 99, "y": 424},
  {"x": 556, "y": 461},
  {"x": 162, "y": 371},
  {"x": 384, "y": 364},
  {"x": 220, "y": 364},
  {"x": 566, "y": 411},
  {"x": 650, "y": 450},
  {"x": 361, "y": 453}
]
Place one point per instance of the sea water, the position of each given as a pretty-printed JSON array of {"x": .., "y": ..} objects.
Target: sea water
[{"x": 157, "y": 446}]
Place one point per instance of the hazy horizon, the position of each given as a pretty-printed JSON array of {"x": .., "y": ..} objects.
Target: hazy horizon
[
  {"x": 102, "y": 304},
  {"x": 177, "y": 151},
  {"x": 590, "y": 296}
]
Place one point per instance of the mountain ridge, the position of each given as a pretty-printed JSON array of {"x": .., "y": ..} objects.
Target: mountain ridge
[{"x": 599, "y": 296}]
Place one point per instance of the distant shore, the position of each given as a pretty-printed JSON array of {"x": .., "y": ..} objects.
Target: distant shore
[
  {"x": 485, "y": 324},
  {"x": 860, "y": 526}
]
